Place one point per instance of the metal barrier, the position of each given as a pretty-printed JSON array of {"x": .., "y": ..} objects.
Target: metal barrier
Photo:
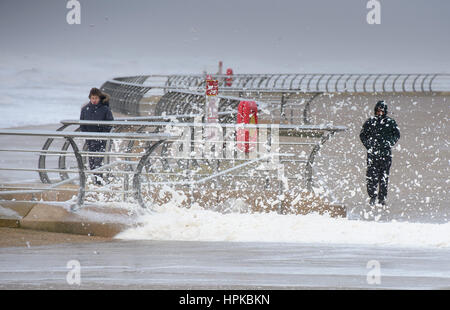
[
  {"x": 153, "y": 140},
  {"x": 184, "y": 102},
  {"x": 168, "y": 154},
  {"x": 306, "y": 83},
  {"x": 323, "y": 83},
  {"x": 43, "y": 175},
  {"x": 127, "y": 92}
]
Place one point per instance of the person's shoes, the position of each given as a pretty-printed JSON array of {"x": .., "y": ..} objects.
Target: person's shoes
[
  {"x": 98, "y": 180},
  {"x": 372, "y": 201},
  {"x": 382, "y": 202}
]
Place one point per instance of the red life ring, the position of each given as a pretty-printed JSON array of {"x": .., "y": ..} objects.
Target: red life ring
[
  {"x": 246, "y": 138},
  {"x": 229, "y": 79}
]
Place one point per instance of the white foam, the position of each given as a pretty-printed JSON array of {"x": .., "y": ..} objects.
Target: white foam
[{"x": 196, "y": 224}]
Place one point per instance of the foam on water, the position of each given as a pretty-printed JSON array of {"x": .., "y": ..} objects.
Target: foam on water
[{"x": 169, "y": 222}]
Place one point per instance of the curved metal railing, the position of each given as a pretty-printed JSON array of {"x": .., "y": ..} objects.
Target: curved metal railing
[
  {"x": 307, "y": 83},
  {"x": 127, "y": 92},
  {"x": 124, "y": 123},
  {"x": 153, "y": 140},
  {"x": 188, "y": 102},
  {"x": 328, "y": 83},
  {"x": 190, "y": 165}
]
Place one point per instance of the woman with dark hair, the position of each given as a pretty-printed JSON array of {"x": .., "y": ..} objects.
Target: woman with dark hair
[{"x": 96, "y": 110}]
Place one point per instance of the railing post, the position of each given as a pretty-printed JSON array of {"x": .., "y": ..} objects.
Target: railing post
[
  {"x": 62, "y": 160},
  {"x": 306, "y": 110},
  {"x": 81, "y": 191},
  {"x": 137, "y": 174},
  {"x": 42, "y": 158},
  {"x": 309, "y": 165}
]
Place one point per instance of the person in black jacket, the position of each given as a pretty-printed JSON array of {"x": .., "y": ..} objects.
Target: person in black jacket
[
  {"x": 379, "y": 134},
  {"x": 96, "y": 110}
]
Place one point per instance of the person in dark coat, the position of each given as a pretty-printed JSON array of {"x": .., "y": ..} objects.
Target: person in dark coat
[
  {"x": 96, "y": 110},
  {"x": 379, "y": 134}
]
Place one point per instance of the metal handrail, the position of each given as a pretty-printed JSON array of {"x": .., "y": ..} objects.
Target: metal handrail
[
  {"x": 196, "y": 81},
  {"x": 61, "y": 162},
  {"x": 126, "y": 92},
  {"x": 285, "y": 127},
  {"x": 88, "y": 135},
  {"x": 158, "y": 138}
]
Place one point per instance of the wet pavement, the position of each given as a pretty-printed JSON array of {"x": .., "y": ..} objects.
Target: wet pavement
[{"x": 224, "y": 265}]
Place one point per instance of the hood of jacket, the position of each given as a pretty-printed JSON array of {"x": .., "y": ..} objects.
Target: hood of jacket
[
  {"x": 381, "y": 105},
  {"x": 104, "y": 99}
]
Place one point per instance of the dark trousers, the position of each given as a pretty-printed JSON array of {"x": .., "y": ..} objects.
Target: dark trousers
[
  {"x": 378, "y": 175},
  {"x": 96, "y": 146}
]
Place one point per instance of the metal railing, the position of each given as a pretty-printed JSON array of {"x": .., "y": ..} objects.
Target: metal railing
[
  {"x": 306, "y": 83},
  {"x": 316, "y": 82},
  {"x": 148, "y": 156},
  {"x": 125, "y": 121},
  {"x": 127, "y": 92},
  {"x": 153, "y": 139},
  {"x": 188, "y": 102}
]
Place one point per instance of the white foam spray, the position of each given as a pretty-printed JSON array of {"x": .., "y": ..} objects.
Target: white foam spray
[{"x": 170, "y": 222}]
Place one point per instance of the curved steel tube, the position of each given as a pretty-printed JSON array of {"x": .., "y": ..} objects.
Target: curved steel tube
[
  {"x": 307, "y": 108},
  {"x": 62, "y": 159},
  {"x": 312, "y": 156},
  {"x": 431, "y": 82},
  {"x": 82, "y": 180},
  {"x": 42, "y": 158},
  {"x": 137, "y": 174}
]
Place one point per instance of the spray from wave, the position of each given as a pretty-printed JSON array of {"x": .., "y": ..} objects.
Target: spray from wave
[{"x": 169, "y": 222}]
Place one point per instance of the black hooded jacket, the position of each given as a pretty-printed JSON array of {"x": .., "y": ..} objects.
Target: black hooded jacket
[
  {"x": 380, "y": 133},
  {"x": 97, "y": 112}
]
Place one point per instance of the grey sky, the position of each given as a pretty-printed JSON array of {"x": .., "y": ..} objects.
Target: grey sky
[{"x": 295, "y": 36}]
